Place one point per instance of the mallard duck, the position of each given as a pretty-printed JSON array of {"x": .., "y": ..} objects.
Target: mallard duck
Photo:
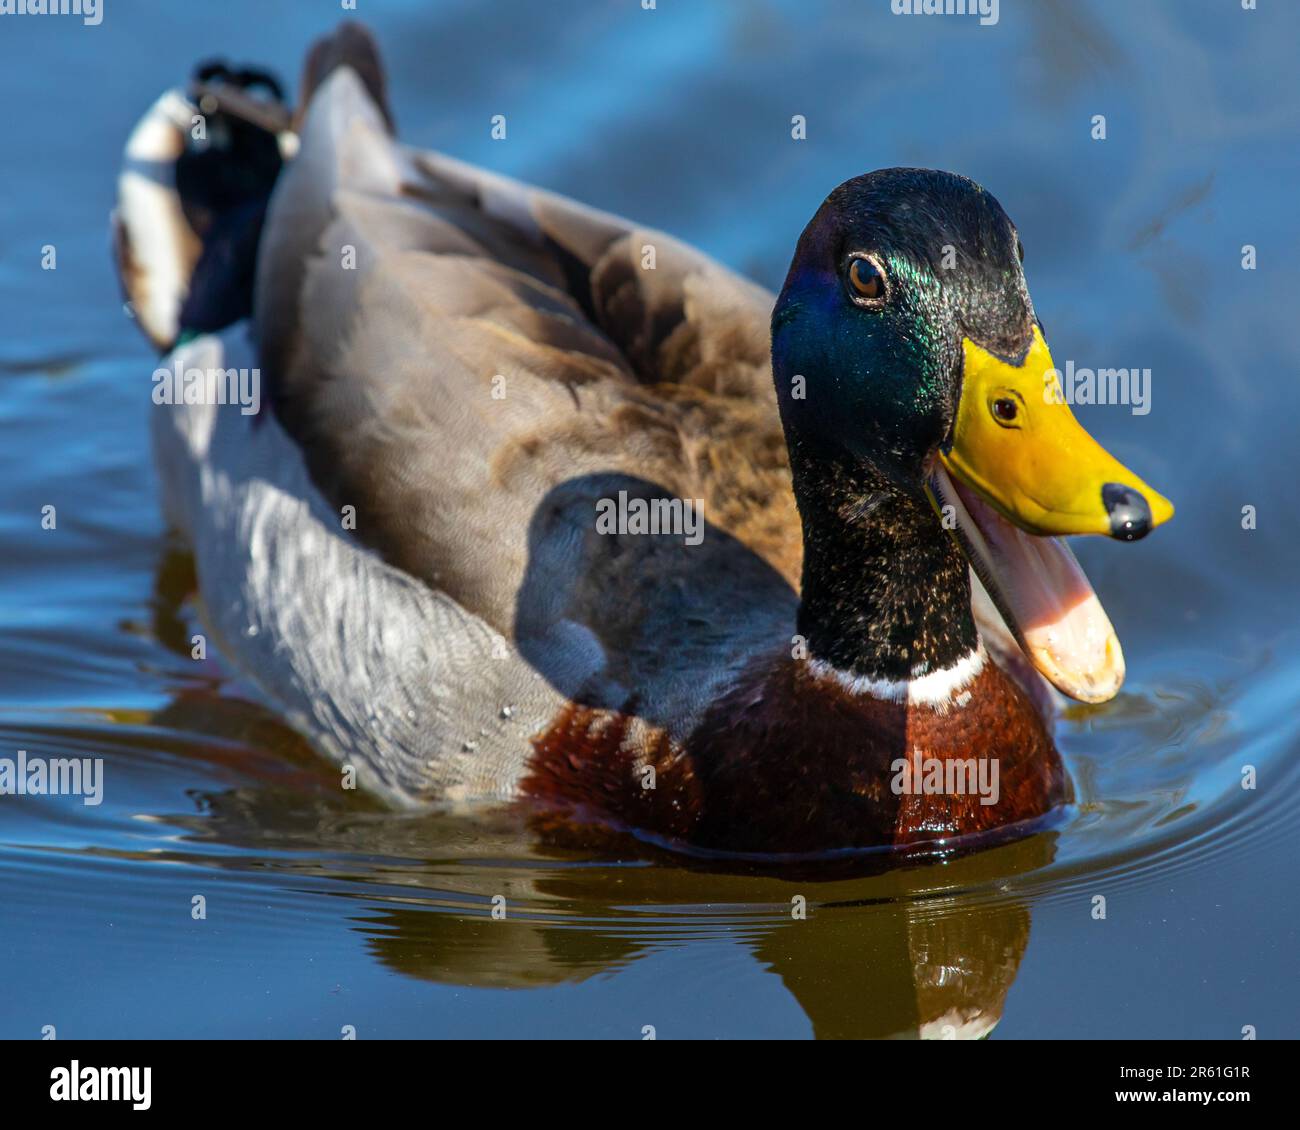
[{"x": 455, "y": 546}]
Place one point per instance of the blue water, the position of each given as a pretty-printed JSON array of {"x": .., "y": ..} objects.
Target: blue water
[{"x": 325, "y": 911}]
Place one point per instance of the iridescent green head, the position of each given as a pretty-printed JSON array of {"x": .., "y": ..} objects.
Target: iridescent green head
[{"x": 909, "y": 364}]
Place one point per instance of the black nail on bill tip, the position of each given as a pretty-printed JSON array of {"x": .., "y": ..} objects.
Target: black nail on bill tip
[{"x": 1130, "y": 513}]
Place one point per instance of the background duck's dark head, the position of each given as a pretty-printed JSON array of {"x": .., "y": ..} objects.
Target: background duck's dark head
[{"x": 894, "y": 270}]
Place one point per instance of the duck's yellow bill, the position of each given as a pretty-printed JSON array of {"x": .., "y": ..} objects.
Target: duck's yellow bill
[
  {"x": 1018, "y": 444},
  {"x": 1020, "y": 464}
]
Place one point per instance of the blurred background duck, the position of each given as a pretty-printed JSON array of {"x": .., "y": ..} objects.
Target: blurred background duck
[{"x": 401, "y": 549}]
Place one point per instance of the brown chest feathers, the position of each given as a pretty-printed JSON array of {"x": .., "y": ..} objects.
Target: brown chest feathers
[{"x": 792, "y": 762}]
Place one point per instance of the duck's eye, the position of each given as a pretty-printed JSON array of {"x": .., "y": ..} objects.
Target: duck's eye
[
  {"x": 1005, "y": 410},
  {"x": 866, "y": 280}
]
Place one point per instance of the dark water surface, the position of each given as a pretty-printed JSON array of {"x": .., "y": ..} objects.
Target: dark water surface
[{"x": 322, "y": 909}]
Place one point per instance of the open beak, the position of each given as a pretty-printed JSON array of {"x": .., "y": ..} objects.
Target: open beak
[{"x": 1020, "y": 464}]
